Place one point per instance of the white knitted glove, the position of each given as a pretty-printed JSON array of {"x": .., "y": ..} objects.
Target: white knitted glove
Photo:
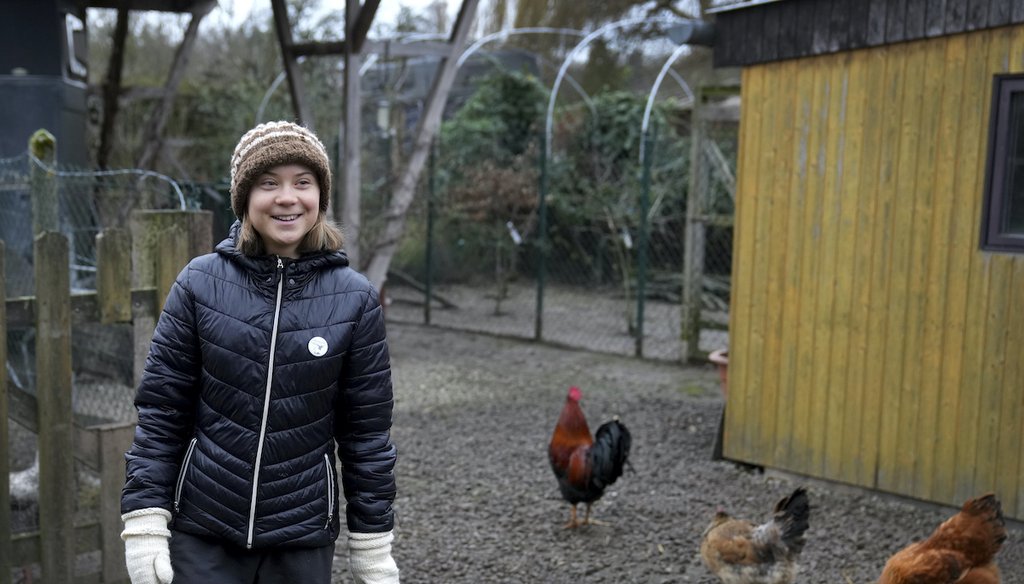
[
  {"x": 146, "y": 546},
  {"x": 369, "y": 558}
]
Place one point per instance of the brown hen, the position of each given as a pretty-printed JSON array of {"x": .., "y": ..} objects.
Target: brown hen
[
  {"x": 739, "y": 552},
  {"x": 962, "y": 549}
]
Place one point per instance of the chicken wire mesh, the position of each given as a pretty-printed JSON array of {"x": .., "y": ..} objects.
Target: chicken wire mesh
[
  {"x": 102, "y": 355},
  {"x": 88, "y": 202},
  {"x": 485, "y": 272}
]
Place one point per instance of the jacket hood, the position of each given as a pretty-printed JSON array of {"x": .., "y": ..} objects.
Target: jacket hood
[{"x": 265, "y": 264}]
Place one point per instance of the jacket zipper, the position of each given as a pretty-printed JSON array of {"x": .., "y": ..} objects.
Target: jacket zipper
[
  {"x": 330, "y": 491},
  {"x": 266, "y": 405},
  {"x": 181, "y": 474}
]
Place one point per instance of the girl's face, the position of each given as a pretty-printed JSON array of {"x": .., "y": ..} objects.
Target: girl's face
[{"x": 284, "y": 204}]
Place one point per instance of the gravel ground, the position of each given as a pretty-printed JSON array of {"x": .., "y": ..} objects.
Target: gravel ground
[{"x": 478, "y": 502}]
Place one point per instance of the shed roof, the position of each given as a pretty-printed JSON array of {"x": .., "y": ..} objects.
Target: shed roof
[
  {"x": 762, "y": 31},
  {"x": 157, "y": 5},
  {"x": 737, "y": 5}
]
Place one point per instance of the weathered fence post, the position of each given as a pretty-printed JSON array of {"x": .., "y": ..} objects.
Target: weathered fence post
[
  {"x": 693, "y": 259},
  {"x": 113, "y": 441},
  {"x": 45, "y": 207},
  {"x": 171, "y": 255},
  {"x": 114, "y": 275},
  {"x": 53, "y": 392},
  {"x": 114, "y": 299},
  {"x": 6, "y": 551},
  {"x": 195, "y": 235}
]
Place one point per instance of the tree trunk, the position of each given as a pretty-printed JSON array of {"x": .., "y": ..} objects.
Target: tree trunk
[
  {"x": 151, "y": 138},
  {"x": 112, "y": 87},
  {"x": 405, "y": 188}
]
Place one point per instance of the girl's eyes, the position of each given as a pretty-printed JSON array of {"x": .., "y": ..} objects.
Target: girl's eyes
[{"x": 269, "y": 183}]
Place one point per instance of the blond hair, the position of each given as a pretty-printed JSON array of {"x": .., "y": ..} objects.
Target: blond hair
[{"x": 323, "y": 236}]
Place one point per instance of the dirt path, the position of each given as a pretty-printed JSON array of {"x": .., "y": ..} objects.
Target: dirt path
[{"x": 478, "y": 502}]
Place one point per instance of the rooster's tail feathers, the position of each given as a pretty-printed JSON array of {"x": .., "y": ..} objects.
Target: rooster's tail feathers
[
  {"x": 610, "y": 452},
  {"x": 792, "y": 514}
]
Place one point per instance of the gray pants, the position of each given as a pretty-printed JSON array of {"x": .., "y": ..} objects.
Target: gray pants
[{"x": 200, "y": 560}]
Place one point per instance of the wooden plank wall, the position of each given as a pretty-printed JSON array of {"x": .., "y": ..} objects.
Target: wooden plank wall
[{"x": 872, "y": 342}]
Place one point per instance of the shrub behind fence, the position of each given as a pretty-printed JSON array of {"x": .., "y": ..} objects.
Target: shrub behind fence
[{"x": 492, "y": 269}]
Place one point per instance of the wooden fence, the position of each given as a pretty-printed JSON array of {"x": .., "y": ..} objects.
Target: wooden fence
[{"x": 164, "y": 241}]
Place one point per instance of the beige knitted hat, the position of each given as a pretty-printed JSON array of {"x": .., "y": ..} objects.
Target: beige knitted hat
[{"x": 272, "y": 144}]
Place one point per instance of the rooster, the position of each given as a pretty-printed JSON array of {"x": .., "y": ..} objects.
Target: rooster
[
  {"x": 738, "y": 552},
  {"x": 962, "y": 549},
  {"x": 585, "y": 466}
]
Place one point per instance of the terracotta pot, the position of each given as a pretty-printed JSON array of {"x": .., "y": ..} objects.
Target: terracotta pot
[{"x": 721, "y": 359}]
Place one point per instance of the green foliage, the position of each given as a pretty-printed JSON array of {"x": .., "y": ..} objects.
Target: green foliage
[
  {"x": 501, "y": 119},
  {"x": 489, "y": 157},
  {"x": 596, "y": 187},
  {"x": 605, "y": 69},
  {"x": 490, "y": 176},
  {"x": 598, "y": 156}
]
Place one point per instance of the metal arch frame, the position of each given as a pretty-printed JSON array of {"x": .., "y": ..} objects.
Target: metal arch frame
[
  {"x": 665, "y": 68},
  {"x": 479, "y": 43},
  {"x": 549, "y": 121},
  {"x": 514, "y": 31}
]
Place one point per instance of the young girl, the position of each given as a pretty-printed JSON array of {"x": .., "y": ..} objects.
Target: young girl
[{"x": 269, "y": 359}]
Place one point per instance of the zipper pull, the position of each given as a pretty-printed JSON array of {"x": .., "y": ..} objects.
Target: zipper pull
[{"x": 280, "y": 263}]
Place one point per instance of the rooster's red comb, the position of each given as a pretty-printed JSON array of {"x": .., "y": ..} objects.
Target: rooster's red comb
[{"x": 575, "y": 394}]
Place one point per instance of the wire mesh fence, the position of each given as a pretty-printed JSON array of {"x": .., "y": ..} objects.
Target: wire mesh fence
[
  {"x": 88, "y": 201},
  {"x": 600, "y": 261}
]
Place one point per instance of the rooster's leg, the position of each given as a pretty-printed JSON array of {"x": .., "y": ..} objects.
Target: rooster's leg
[
  {"x": 588, "y": 521},
  {"x": 572, "y": 518}
]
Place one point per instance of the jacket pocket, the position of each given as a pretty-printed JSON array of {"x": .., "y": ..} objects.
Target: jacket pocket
[
  {"x": 330, "y": 490},
  {"x": 181, "y": 474}
]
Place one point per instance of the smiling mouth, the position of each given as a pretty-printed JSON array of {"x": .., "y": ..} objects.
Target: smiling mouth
[{"x": 286, "y": 217}]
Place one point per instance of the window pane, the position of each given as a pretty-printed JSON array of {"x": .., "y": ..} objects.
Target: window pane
[{"x": 1013, "y": 210}]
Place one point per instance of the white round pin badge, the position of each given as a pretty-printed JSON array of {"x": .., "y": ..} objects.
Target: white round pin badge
[{"x": 317, "y": 346}]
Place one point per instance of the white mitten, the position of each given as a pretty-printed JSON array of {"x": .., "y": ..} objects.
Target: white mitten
[
  {"x": 369, "y": 558},
  {"x": 146, "y": 546}
]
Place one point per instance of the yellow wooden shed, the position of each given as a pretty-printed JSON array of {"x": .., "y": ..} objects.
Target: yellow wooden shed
[{"x": 877, "y": 317}]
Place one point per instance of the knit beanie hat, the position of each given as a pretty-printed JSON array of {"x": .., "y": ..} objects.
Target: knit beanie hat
[{"x": 273, "y": 144}]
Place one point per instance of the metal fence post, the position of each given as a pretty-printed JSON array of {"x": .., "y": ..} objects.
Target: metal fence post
[
  {"x": 6, "y": 550},
  {"x": 542, "y": 238},
  {"x": 431, "y": 197},
  {"x": 641, "y": 252}
]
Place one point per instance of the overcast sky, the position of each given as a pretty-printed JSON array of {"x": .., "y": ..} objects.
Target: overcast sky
[{"x": 387, "y": 12}]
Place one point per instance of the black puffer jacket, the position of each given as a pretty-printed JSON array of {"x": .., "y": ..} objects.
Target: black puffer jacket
[{"x": 244, "y": 451}]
